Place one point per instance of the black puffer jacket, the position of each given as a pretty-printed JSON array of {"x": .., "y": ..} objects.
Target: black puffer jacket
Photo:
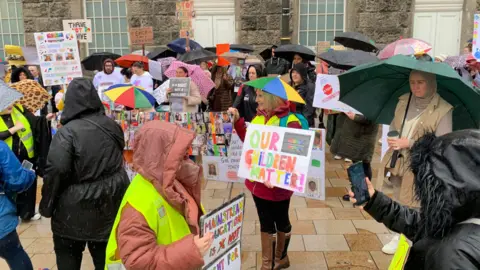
[
  {"x": 85, "y": 180},
  {"x": 245, "y": 101},
  {"x": 447, "y": 182},
  {"x": 307, "y": 92}
]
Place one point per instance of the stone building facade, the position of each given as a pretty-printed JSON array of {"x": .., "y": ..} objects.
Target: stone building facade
[{"x": 257, "y": 22}]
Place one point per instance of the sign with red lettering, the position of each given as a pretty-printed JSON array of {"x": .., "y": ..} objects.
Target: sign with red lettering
[
  {"x": 226, "y": 224},
  {"x": 141, "y": 35},
  {"x": 230, "y": 260},
  {"x": 83, "y": 29}
]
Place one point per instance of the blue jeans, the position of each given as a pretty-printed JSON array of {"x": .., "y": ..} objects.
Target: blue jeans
[{"x": 12, "y": 251}]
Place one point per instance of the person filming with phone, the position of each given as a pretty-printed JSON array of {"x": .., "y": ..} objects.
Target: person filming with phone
[
  {"x": 445, "y": 230},
  {"x": 13, "y": 179}
]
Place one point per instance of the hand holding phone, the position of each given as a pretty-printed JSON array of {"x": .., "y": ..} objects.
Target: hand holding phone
[{"x": 356, "y": 175}]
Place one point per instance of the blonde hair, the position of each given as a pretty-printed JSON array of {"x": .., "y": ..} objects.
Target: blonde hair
[{"x": 271, "y": 102}]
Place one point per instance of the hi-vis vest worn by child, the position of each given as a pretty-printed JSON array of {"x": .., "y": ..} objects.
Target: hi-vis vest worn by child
[
  {"x": 167, "y": 223},
  {"x": 281, "y": 122},
  {"x": 25, "y": 135}
]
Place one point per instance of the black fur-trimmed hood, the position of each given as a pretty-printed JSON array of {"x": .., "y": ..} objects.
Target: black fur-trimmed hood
[{"x": 447, "y": 180}]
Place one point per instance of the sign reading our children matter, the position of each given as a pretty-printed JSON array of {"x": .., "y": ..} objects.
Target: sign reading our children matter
[
  {"x": 225, "y": 223},
  {"x": 277, "y": 155}
]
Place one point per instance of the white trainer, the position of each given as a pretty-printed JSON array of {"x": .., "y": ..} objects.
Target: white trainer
[
  {"x": 337, "y": 157},
  {"x": 37, "y": 216},
  {"x": 391, "y": 247}
]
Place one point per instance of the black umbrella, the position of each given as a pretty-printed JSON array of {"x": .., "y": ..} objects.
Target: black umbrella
[
  {"x": 356, "y": 41},
  {"x": 347, "y": 59},
  {"x": 161, "y": 52},
  {"x": 242, "y": 48},
  {"x": 196, "y": 56},
  {"x": 211, "y": 49},
  {"x": 266, "y": 53},
  {"x": 288, "y": 51},
  {"x": 95, "y": 60}
]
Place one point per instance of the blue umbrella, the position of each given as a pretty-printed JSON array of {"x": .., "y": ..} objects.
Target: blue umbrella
[
  {"x": 8, "y": 95},
  {"x": 179, "y": 45}
]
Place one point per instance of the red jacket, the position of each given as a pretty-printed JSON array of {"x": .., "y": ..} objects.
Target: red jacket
[{"x": 259, "y": 189}]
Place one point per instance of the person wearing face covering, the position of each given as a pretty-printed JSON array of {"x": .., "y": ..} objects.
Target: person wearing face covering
[
  {"x": 424, "y": 111},
  {"x": 306, "y": 89},
  {"x": 157, "y": 225},
  {"x": 107, "y": 77},
  {"x": 245, "y": 102},
  {"x": 85, "y": 179},
  {"x": 445, "y": 230}
]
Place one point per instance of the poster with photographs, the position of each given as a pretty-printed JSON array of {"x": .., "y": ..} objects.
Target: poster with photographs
[
  {"x": 315, "y": 187},
  {"x": 59, "y": 57}
]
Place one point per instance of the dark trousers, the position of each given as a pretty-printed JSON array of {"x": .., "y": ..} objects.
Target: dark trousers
[
  {"x": 69, "y": 253},
  {"x": 12, "y": 251},
  {"x": 26, "y": 202},
  {"x": 273, "y": 215}
]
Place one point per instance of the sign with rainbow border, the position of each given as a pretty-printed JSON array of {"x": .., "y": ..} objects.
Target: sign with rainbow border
[
  {"x": 82, "y": 27},
  {"x": 277, "y": 155}
]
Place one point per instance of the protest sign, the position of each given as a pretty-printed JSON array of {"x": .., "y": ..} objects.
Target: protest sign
[
  {"x": 224, "y": 168},
  {"x": 185, "y": 14},
  {"x": 180, "y": 87},
  {"x": 315, "y": 187},
  {"x": 476, "y": 37},
  {"x": 278, "y": 155},
  {"x": 59, "y": 57},
  {"x": 225, "y": 223},
  {"x": 327, "y": 94},
  {"x": 82, "y": 27},
  {"x": 141, "y": 35},
  {"x": 231, "y": 260}
]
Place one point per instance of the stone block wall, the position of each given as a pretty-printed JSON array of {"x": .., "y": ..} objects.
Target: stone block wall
[
  {"x": 159, "y": 14},
  {"x": 47, "y": 15},
  {"x": 384, "y": 21},
  {"x": 259, "y": 22}
]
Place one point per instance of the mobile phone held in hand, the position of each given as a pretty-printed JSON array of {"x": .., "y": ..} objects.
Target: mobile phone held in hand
[
  {"x": 27, "y": 165},
  {"x": 356, "y": 175}
]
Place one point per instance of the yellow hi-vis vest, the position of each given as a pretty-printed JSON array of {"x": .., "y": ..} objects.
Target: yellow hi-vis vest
[
  {"x": 167, "y": 223},
  {"x": 25, "y": 135},
  {"x": 273, "y": 121}
]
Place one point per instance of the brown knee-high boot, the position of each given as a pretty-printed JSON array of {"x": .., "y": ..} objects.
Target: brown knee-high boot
[
  {"x": 281, "y": 256},
  {"x": 268, "y": 250}
]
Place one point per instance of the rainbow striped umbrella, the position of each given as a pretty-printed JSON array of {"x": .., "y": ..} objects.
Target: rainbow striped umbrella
[
  {"x": 131, "y": 96},
  {"x": 277, "y": 87}
]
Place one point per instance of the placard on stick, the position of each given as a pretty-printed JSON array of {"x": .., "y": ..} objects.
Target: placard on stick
[
  {"x": 82, "y": 27},
  {"x": 225, "y": 223},
  {"x": 141, "y": 35}
]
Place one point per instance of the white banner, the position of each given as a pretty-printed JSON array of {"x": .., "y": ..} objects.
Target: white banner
[
  {"x": 82, "y": 27},
  {"x": 226, "y": 224},
  {"x": 327, "y": 94},
  {"x": 278, "y": 155},
  {"x": 59, "y": 57}
]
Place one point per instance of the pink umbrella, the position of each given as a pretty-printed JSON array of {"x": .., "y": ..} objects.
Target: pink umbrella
[
  {"x": 198, "y": 76},
  {"x": 408, "y": 46}
]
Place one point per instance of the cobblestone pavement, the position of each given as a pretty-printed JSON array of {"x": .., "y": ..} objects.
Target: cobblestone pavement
[{"x": 328, "y": 234}]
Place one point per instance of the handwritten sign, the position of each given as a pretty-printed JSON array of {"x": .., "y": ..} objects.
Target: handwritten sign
[
  {"x": 226, "y": 224},
  {"x": 185, "y": 14},
  {"x": 141, "y": 35},
  {"x": 180, "y": 87},
  {"x": 231, "y": 260},
  {"x": 315, "y": 187},
  {"x": 401, "y": 255},
  {"x": 277, "y": 155},
  {"x": 59, "y": 57},
  {"x": 224, "y": 168},
  {"x": 82, "y": 27},
  {"x": 327, "y": 94}
]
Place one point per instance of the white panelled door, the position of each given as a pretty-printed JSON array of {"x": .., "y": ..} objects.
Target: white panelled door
[{"x": 214, "y": 22}]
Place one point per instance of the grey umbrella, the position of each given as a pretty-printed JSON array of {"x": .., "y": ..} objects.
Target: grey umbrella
[
  {"x": 356, "y": 41},
  {"x": 8, "y": 95},
  {"x": 347, "y": 59}
]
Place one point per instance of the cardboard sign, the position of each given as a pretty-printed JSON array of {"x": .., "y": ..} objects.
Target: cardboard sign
[
  {"x": 141, "y": 35},
  {"x": 14, "y": 55},
  {"x": 224, "y": 168},
  {"x": 327, "y": 94},
  {"x": 401, "y": 255},
  {"x": 315, "y": 187},
  {"x": 225, "y": 223},
  {"x": 323, "y": 46},
  {"x": 180, "y": 87},
  {"x": 278, "y": 155},
  {"x": 82, "y": 27},
  {"x": 59, "y": 57},
  {"x": 231, "y": 260}
]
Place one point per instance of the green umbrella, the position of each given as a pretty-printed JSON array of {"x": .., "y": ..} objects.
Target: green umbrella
[{"x": 374, "y": 89}]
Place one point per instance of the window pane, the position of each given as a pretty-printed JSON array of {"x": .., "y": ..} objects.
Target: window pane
[
  {"x": 303, "y": 22},
  {"x": 124, "y": 40},
  {"x": 106, "y": 26},
  {"x": 123, "y": 9},
  {"x": 304, "y": 7},
  {"x": 320, "y": 36},
  {"x": 20, "y": 26},
  {"x": 330, "y": 22},
  {"x": 19, "y": 10},
  {"x": 312, "y": 22},
  {"x": 11, "y": 11},
  {"x": 7, "y": 40},
  {"x": 312, "y": 39},
  {"x": 115, "y": 25},
  {"x": 98, "y": 25},
  {"x": 321, "y": 24},
  {"x": 118, "y": 51},
  {"x": 106, "y": 11},
  {"x": 123, "y": 25},
  {"x": 322, "y": 6},
  {"x": 97, "y": 9},
  {"x": 91, "y": 51},
  {"x": 303, "y": 37},
  {"x": 90, "y": 10},
  {"x": 339, "y": 22},
  {"x": 340, "y": 6},
  {"x": 114, "y": 9},
  {"x": 329, "y": 36},
  {"x": 312, "y": 6},
  {"x": 22, "y": 39},
  {"x": 330, "y": 6},
  {"x": 108, "y": 40},
  {"x": 15, "y": 40},
  {"x": 5, "y": 27},
  {"x": 99, "y": 40}
]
